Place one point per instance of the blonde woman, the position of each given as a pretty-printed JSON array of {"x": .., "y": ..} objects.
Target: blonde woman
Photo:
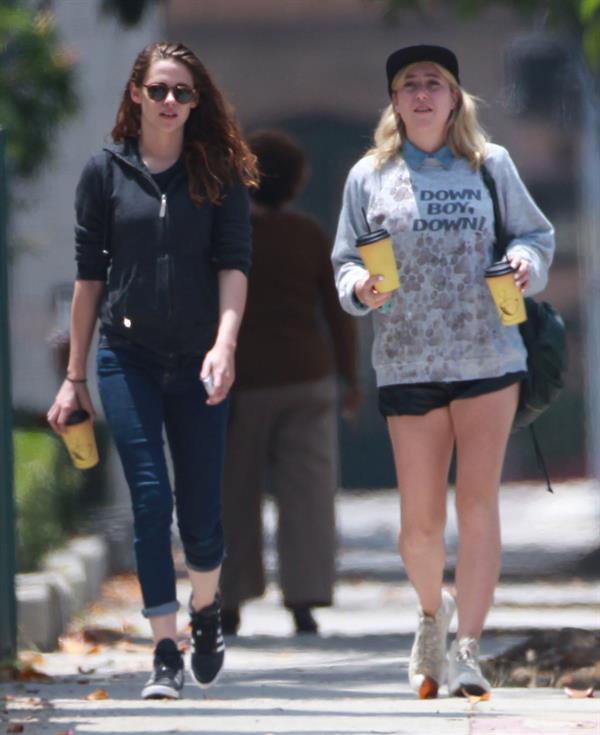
[{"x": 447, "y": 371}]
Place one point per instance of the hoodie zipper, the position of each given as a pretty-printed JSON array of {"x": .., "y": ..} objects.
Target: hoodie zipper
[{"x": 165, "y": 255}]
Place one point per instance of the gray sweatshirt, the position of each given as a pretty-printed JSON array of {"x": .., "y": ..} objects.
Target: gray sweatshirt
[{"x": 442, "y": 324}]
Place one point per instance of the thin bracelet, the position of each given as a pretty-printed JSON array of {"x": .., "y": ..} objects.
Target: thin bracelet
[{"x": 73, "y": 380}]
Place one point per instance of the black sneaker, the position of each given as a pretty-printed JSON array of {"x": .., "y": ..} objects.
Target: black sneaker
[
  {"x": 166, "y": 680},
  {"x": 208, "y": 646}
]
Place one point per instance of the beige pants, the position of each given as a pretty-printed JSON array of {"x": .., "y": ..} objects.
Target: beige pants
[{"x": 284, "y": 438}]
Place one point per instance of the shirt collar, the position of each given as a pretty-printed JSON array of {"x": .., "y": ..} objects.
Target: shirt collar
[{"x": 415, "y": 157}]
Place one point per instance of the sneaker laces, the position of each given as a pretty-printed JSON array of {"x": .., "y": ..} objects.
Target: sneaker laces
[
  {"x": 166, "y": 661},
  {"x": 467, "y": 653}
]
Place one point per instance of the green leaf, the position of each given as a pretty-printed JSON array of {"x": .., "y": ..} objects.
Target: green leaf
[
  {"x": 591, "y": 44},
  {"x": 37, "y": 85},
  {"x": 587, "y": 9}
]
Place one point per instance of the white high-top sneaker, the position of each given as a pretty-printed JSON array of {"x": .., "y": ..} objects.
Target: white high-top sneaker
[
  {"x": 428, "y": 661},
  {"x": 464, "y": 673}
]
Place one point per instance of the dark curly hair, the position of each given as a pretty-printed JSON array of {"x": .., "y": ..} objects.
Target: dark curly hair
[
  {"x": 282, "y": 165},
  {"x": 215, "y": 152}
]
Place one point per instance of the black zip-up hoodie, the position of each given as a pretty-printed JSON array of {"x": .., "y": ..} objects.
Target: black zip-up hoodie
[{"x": 158, "y": 253}]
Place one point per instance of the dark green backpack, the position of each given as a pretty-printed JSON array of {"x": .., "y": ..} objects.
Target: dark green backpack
[{"x": 544, "y": 336}]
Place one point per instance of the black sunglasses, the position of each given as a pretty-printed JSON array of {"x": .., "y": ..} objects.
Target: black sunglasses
[{"x": 159, "y": 91}]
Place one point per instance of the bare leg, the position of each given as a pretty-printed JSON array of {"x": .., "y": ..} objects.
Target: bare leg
[
  {"x": 204, "y": 587},
  {"x": 481, "y": 426},
  {"x": 422, "y": 447},
  {"x": 163, "y": 626}
]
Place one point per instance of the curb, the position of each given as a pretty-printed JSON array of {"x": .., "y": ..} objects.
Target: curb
[{"x": 70, "y": 578}]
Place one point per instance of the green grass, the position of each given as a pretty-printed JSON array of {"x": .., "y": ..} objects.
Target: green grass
[{"x": 47, "y": 490}]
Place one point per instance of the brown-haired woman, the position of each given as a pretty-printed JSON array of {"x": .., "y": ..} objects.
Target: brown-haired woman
[{"x": 162, "y": 250}]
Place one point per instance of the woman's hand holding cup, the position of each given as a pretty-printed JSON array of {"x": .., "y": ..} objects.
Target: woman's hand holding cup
[
  {"x": 70, "y": 397},
  {"x": 366, "y": 292},
  {"x": 521, "y": 267}
]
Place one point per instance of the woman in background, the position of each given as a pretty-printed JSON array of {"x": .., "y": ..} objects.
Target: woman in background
[{"x": 283, "y": 432}]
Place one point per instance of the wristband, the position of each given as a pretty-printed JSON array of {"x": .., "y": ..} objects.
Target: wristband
[{"x": 74, "y": 380}]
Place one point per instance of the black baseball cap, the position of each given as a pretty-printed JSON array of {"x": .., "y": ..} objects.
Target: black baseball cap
[{"x": 412, "y": 54}]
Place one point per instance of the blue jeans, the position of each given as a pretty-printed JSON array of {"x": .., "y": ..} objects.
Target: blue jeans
[{"x": 141, "y": 392}]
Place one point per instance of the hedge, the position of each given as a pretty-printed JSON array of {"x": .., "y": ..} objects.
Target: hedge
[{"x": 52, "y": 498}]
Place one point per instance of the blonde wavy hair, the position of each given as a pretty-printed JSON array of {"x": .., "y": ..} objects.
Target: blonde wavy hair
[{"x": 465, "y": 138}]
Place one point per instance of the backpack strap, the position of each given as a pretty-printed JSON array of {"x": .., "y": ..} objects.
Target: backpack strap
[
  {"x": 540, "y": 457},
  {"x": 500, "y": 243},
  {"x": 500, "y": 237}
]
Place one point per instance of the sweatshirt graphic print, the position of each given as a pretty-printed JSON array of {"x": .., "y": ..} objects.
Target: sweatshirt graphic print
[{"x": 442, "y": 324}]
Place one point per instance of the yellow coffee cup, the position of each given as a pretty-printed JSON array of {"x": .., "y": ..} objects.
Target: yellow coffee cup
[
  {"x": 500, "y": 278},
  {"x": 377, "y": 253},
  {"x": 80, "y": 440}
]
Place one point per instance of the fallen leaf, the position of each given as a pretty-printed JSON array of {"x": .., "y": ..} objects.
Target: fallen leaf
[
  {"x": 33, "y": 658},
  {"x": 476, "y": 698},
  {"x": 15, "y": 727},
  {"x": 579, "y": 693},
  {"x": 85, "y": 672},
  {"x": 76, "y": 645},
  {"x": 105, "y": 636},
  {"x": 83, "y": 681},
  {"x": 129, "y": 628},
  {"x": 97, "y": 695},
  {"x": 131, "y": 647},
  {"x": 65, "y": 732},
  {"x": 30, "y": 673},
  {"x": 122, "y": 588},
  {"x": 96, "y": 608}
]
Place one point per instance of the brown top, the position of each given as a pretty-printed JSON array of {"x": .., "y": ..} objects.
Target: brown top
[{"x": 294, "y": 329}]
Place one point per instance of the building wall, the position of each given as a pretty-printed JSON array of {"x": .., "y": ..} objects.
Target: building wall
[
  {"x": 316, "y": 69},
  {"x": 44, "y": 218}
]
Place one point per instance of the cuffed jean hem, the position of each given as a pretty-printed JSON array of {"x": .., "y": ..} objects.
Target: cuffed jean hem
[
  {"x": 205, "y": 567},
  {"x": 165, "y": 609}
]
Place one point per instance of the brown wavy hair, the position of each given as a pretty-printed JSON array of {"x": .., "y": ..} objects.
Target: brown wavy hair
[{"x": 215, "y": 152}]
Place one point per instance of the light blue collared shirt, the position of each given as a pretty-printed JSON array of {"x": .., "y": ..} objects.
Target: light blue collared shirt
[{"x": 414, "y": 157}]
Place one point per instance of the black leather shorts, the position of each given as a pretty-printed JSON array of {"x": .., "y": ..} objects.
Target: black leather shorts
[{"x": 416, "y": 399}]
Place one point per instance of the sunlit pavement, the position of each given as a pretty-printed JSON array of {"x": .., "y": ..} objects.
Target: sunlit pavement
[{"x": 351, "y": 678}]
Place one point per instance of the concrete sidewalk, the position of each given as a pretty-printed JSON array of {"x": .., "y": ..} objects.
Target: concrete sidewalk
[
  {"x": 336, "y": 685},
  {"x": 352, "y": 678}
]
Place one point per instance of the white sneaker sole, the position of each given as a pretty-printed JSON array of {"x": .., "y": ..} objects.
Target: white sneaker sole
[
  {"x": 204, "y": 684},
  {"x": 160, "y": 691}
]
